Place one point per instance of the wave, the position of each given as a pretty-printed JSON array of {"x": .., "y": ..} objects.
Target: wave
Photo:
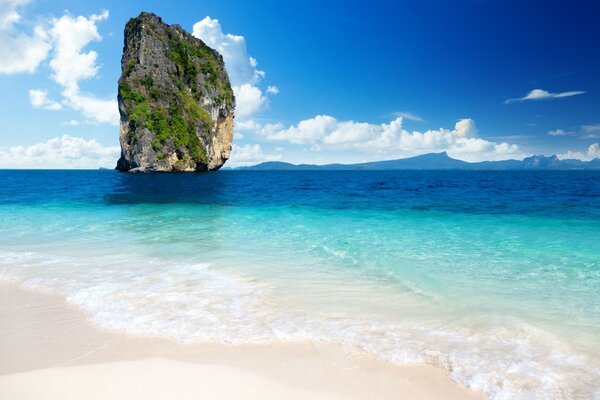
[{"x": 199, "y": 303}]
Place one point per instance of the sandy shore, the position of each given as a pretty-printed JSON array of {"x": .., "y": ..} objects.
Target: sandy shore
[{"x": 48, "y": 350}]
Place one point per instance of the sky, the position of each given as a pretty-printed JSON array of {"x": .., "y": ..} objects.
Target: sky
[{"x": 318, "y": 81}]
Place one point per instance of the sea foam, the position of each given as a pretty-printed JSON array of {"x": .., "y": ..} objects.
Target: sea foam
[{"x": 198, "y": 303}]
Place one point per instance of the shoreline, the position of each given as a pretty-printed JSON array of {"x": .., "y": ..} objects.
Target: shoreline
[{"x": 48, "y": 348}]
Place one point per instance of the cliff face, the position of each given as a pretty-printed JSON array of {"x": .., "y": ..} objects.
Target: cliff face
[{"x": 175, "y": 100}]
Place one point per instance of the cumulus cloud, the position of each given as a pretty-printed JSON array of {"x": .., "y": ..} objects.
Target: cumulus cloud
[
  {"x": 70, "y": 64},
  {"x": 71, "y": 34},
  {"x": 391, "y": 139},
  {"x": 465, "y": 128},
  {"x": 241, "y": 67},
  {"x": 593, "y": 151},
  {"x": 249, "y": 154},
  {"x": 60, "y": 152},
  {"x": 97, "y": 111},
  {"x": 310, "y": 130},
  {"x": 39, "y": 99},
  {"x": 249, "y": 100},
  {"x": 539, "y": 94},
  {"x": 65, "y": 39},
  {"x": 20, "y": 51}
]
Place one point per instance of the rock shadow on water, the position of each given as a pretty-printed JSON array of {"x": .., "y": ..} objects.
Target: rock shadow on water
[{"x": 158, "y": 188}]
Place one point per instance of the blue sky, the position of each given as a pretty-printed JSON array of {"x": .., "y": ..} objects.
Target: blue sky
[{"x": 319, "y": 81}]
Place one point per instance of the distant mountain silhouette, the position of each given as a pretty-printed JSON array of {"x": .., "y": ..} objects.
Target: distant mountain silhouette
[{"x": 437, "y": 161}]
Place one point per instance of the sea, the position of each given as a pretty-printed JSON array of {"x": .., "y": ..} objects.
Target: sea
[{"x": 493, "y": 276}]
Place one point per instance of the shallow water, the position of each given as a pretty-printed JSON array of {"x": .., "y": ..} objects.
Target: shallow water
[{"x": 494, "y": 276}]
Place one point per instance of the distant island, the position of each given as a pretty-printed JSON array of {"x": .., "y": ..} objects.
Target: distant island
[{"x": 437, "y": 161}]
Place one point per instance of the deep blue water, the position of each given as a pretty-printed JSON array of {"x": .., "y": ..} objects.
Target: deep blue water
[{"x": 544, "y": 193}]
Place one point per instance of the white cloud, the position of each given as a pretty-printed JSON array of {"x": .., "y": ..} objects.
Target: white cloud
[
  {"x": 308, "y": 131},
  {"x": 60, "y": 152},
  {"x": 249, "y": 154},
  {"x": 72, "y": 122},
  {"x": 67, "y": 37},
  {"x": 273, "y": 90},
  {"x": 70, "y": 64},
  {"x": 570, "y": 155},
  {"x": 539, "y": 94},
  {"x": 407, "y": 115},
  {"x": 241, "y": 68},
  {"x": 591, "y": 131},
  {"x": 391, "y": 139},
  {"x": 39, "y": 99},
  {"x": 71, "y": 35},
  {"x": 248, "y": 125},
  {"x": 560, "y": 132},
  {"x": 465, "y": 128},
  {"x": 591, "y": 128},
  {"x": 249, "y": 100},
  {"x": 20, "y": 51},
  {"x": 97, "y": 111},
  {"x": 9, "y": 14},
  {"x": 593, "y": 151}
]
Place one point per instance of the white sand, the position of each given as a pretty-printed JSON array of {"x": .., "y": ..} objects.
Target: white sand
[
  {"x": 149, "y": 379},
  {"x": 49, "y": 351}
]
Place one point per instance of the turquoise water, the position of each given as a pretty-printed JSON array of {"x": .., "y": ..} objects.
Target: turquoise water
[{"x": 494, "y": 276}]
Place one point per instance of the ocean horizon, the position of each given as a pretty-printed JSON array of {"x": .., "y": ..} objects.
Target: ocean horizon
[{"x": 491, "y": 275}]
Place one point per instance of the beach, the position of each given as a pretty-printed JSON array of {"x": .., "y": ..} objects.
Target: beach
[
  {"x": 48, "y": 350},
  {"x": 235, "y": 200}
]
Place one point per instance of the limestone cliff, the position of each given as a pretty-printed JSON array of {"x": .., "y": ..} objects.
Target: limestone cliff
[{"x": 175, "y": 100}]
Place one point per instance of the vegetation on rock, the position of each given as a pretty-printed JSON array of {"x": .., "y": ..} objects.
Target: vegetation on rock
[{"x": 173, "y": 94}]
